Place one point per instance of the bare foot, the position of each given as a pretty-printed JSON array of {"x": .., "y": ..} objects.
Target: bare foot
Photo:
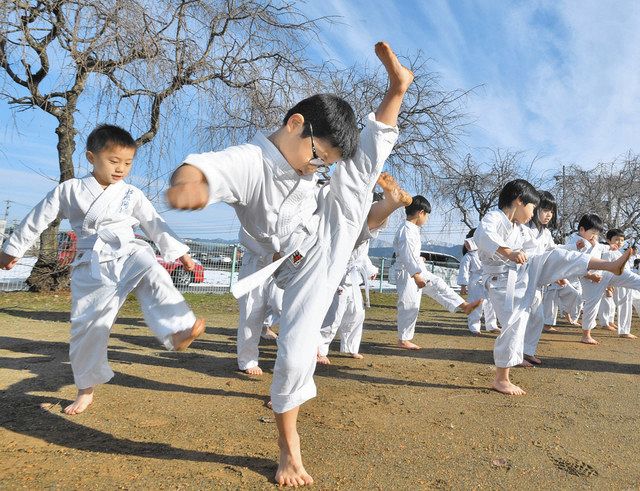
[
  {"x": 587, "y": 339},
  {"x": 525, "y": 364},
  {"x": 290, "y": 469},
  {"x": 182, "y": 339},
  {"x": 610, "y": 327},
  {"x": 497, "y": 330},
  {"x": 467, "y": 307},
  {"x": 506, "y": 387},
  {"x": 569, "y": 319},
  {"x": 322, "y": 360},
  {"x": 407, "y": 345},
  {"x": 476, "y": 333},
  {"x": 358, "y": 356},
  {"x": 628, "y": 336},
  {"x": 549, "y": 329},
  {"x": 400, "y": 77},
  {"x": 82, "y": 402},
  {"x": 393, "y": 192},
  {"x": 533, "y": 359},
  {"x": 253, "y": 371},
  {"x": 267, "y": 333},
  {"x": 617, "y": 266}
]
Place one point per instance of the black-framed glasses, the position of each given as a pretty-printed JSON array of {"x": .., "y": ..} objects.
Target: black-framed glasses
[{"x": 321, "y": 166}]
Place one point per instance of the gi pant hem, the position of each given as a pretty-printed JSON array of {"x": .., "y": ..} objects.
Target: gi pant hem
[
  {"x": 286, "y": 402},
  {"x": 91, "y": 379}
]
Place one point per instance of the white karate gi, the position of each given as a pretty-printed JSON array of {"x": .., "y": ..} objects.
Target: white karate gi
[
  {"x": 346, "y": 313},
  {"x": 314, "y": 254},
  {"x": 622, "y": 300},
  {"x": 406, "y": 245},
  {"x": 592, "y": 292},
  {"x": 566, "y": 298},
  {"x": 512, "y": 288},
  {"x": 274, "y": 305},
  {"x": 110, "y": 264},
  {"x": 273, "y": 204},
  {"x": 539, "y": 241},
  {"x": 470, "y": 275}
]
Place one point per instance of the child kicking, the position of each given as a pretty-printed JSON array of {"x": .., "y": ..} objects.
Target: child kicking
[
  {"x": 308, "y": 243},
  {"x": 103, "y": 211},
  {"x": 511, "y": 277},
  {"x": 412, "y": 278},
  {"x": 595, "y": 284}
]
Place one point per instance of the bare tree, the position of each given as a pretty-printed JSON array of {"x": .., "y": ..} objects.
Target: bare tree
[
  {"x": 610, "y": 190},
  {"x": 472, "y": 188},
  {"x": 145, "y": 63}
]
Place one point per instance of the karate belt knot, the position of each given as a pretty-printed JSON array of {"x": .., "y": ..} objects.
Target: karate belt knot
[
  {"x": 511, "y": 270},
  {"x": 115, "y": 235}
]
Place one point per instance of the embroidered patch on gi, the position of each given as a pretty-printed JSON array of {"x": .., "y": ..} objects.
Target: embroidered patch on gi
[{"x": 295, "y": 258}]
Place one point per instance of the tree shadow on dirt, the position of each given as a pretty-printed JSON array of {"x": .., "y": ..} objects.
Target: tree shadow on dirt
[
  {"x": 361, "y": 375},
  {"x": 25, "y": 416},
  {"x": 22, "y": 412}
]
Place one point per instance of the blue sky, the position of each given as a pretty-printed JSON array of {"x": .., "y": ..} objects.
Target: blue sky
[{"x": 555, "y": 79}]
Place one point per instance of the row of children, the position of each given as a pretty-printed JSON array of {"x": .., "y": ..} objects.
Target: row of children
[
  {"x": 296, "y": 228},
  {"x": 300, "y": 233}
]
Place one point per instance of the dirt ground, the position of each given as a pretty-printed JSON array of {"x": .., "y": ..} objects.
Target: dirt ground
[{"x": 395, "y": 420}]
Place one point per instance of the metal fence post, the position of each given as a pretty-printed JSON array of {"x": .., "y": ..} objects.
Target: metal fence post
[
  {"x": 233, "y": 265},
  {"x": 381, "y": 274}
]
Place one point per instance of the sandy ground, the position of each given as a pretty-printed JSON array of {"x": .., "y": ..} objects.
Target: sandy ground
[{"x": 395, "y": 420}]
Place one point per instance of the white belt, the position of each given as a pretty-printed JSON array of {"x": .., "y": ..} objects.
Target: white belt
[{"x": 117, "y": 236}]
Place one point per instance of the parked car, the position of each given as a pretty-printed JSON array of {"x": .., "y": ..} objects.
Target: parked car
[
  {"x": 67, "y": 252},
  {"x": 443, "y": 265}
]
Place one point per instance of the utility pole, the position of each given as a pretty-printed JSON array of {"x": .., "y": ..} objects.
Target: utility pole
[{"x": 564, "y": 201}]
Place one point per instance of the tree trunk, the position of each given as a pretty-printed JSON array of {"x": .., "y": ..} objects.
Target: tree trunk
[{"x": 47, "y": 274}]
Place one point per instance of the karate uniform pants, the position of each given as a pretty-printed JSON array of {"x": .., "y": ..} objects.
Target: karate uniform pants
[
  {"x": 535, "y": 324},
  {"x": 345, "y": 316},
  {"x": 607, "y": 311},
  {"x": 564, "y": 299},
  {"x": 95, "y": 305},
  {"x": 409, "y": 296},
  {"x": 592, "y": 293},
  {"x": 623, "y": 299},
  {"x": 476, "y": 292},
  {"x": 513, "y": 308},
  {"x": 253, "y": 311}
]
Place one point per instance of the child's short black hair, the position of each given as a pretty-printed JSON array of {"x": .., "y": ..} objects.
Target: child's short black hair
[
  {"x": 419, "y": 203},
  {"x": 518, "y": 188},
  {"x": 547, "y": 202},
  {"x": 636, "y": 263},
  {"x": 332, "y": 118},
  {"x": 614, "y": 232},
  {"x": 591, "y": 221},
  {"x": 105, "y": 135}
]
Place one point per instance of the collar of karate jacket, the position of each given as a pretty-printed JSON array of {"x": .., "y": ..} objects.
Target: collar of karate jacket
[
  {"x": 412, "y": 225},
  {"x": 282, "y": 170},
  {"x": 92, "y": 185}
]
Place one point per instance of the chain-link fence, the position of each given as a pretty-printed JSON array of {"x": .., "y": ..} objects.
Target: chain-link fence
[{"x": 217, "y": 267}]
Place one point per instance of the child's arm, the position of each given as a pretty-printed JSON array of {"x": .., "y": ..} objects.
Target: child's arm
[
  {"x": 518, "y": 257},
  {"x": 157, "y": 229},
  {"x": 229, "y": 176},
  {"x": 413, "y": 265},
  {"x": 463, "y": 271},
  {"x": 31, "y": 227}
]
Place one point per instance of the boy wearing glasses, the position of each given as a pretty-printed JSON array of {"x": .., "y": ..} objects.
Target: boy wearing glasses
[{"x": 304, "y": 232}]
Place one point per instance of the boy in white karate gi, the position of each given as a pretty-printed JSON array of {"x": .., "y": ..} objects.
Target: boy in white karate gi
[
  {"x": 346, "y": 313},
  {"x": 103, "y": 210},
  {"x": 308, "y": 241},
  {"x": 412, "y": 277},
  {"x": 594, "y": 284},
  {"x": 512, "y": 278},
  {"x": 621, "y": 298},
  {"x": 470, "y": 281}
]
